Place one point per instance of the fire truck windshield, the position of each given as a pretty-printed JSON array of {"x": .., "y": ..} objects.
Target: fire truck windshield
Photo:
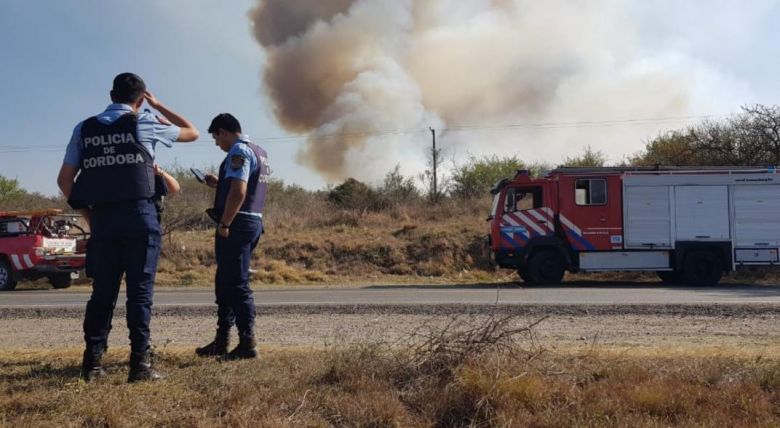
[{"x": 522, "y": 199}]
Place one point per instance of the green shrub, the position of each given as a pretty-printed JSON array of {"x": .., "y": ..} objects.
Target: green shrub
[
  {"x": 355, "y": 195},
  {"x": 399, "y": 189},
  {"x": 14, "y": 198}
]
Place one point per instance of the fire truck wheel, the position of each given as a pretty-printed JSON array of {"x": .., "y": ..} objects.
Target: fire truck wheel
[
  {"x": 546, "y": 268},
  {"x": 702, "y": 268},
  {"x": 669, "y": 276},
  {"x": 7, "y": 280},
  {"x": 60, "y": 280},
  {"x": 523, "y": 272}
]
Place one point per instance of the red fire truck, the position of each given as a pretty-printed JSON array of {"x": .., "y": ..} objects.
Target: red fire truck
[
  {"x": 688, "y": 225},
  {"x": 38, "y": 244}
]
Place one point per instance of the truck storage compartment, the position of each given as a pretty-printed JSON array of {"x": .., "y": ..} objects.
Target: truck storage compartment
[
  {"x": 756, "y": 211},
  {"x": 756, "y": 255},
  {"x": 625, "y": 260},
  {"x": 648, "y": 221},
  {"x": 702, "y": 213}
]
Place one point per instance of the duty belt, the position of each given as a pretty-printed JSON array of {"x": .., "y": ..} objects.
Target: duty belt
[
  {"x": 260, "y": 215},
  {"x": 119, "y": 204}
]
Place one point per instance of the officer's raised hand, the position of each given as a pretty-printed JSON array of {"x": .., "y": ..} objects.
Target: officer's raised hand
[
  {"x": 188, "y": 132},
  {"x": 151, "y": 99}
]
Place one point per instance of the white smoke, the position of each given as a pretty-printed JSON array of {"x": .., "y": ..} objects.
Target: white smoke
[{"x": 366, "y": 78}]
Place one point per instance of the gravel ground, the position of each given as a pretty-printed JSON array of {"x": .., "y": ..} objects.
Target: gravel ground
[{"x": 747, "y": 327}]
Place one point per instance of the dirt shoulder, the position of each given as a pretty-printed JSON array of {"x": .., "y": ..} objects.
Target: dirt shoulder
[{"x": 746, "y": 327}]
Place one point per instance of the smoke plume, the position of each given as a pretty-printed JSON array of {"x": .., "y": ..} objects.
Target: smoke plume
[{"x": 364, "y": 79}]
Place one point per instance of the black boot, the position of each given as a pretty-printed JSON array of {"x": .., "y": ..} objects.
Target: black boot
[
  {"x": 218, "y": 347},
  {"x": 141, "y": 367},
  {"x": 91, "y": 369},
  {"x": 246, "y": 349}
]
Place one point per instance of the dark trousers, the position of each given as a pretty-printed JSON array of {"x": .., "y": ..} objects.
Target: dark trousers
[
  {"x": 235, "y": 303},
  {"x": 125, "y": 240}
]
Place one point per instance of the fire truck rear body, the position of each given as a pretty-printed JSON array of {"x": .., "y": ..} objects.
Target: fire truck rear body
[
  {"x": 37, "y": 244},
  {"x": 688, "y": 225}
]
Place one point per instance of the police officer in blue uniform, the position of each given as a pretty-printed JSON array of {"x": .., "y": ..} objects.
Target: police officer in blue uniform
[
  {"x": 108, "y": 174},
  {"x": 238, "y": 205}
]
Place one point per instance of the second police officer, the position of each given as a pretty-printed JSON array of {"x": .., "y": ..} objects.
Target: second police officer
[
  {"x": 238, "y": 207},
  {"x": 108, "y": 174}
]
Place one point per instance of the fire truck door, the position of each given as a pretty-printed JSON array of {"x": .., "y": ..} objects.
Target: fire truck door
[
  {"x": 593, "y": 221},
  {"x": 525, "y": 216}
]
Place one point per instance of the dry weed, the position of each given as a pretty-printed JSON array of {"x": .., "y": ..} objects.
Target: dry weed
[{"x": 490, "y": 372}]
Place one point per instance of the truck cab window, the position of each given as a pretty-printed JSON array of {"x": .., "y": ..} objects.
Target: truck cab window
[
  {"x": 522, "y": 199},
  {"x": 590, "y": 191},
  {"x": 13, "y": 227}
]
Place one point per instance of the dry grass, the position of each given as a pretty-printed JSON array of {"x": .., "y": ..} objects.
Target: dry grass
[
  {"x": 310, "y": 241},
  {"x": 417, "y": 243},
  {"x": 491, "y": 374}
]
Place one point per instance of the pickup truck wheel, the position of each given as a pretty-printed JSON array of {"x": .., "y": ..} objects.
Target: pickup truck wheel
[
  {"x": 546, "y": 268},
  {"x": 60, "y": 280},
  {"x": 702, "y": 268},
  {"x": 7, "y": 280}
]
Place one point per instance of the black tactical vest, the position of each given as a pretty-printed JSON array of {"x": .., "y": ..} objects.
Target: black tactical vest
[
  {"x": 256, "y": 186},
  {"x": 115, "y": 167}
]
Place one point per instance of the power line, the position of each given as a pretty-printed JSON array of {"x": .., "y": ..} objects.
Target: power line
[
  {"x": 201, "y": 143},
  {"x": 584, "y": 124}
]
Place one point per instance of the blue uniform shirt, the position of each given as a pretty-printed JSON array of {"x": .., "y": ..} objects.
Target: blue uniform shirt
[
  {"x": 241, "y": 161},
  {"x": 150, "y": 132}
]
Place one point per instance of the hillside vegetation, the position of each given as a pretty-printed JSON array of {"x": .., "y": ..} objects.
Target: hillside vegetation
[
  {"x": 393, "y": 230},
  {"x": 351, "y": 232}
]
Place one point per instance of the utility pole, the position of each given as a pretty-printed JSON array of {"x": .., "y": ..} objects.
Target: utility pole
[{"x": 435, "y": 195}]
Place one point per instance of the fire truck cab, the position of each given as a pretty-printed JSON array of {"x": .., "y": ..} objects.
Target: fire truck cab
[{"x": 688, "y": 225}]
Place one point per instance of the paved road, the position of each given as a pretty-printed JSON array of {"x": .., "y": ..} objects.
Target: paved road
[{"x": 570, "y": 294}]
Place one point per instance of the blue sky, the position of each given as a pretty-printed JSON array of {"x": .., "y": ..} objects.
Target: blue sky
[
  {"x": 199, "y": 58},
  {"x": 59, "y": 59}
]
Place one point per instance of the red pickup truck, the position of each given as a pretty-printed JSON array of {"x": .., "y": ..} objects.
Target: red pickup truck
[{"x": 41, "y": 244}]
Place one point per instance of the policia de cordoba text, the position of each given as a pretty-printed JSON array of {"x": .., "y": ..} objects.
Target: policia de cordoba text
[{"x": 111, "y": 157}]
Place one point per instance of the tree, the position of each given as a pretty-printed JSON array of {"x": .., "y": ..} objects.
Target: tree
[
  {"x": 751, "y": 138},
  {"x": 588, "y": 158},
  {"x": 670, "y": 148},
  {"x": 9, "y": 188},
  {"x": 476, "y": 177},
  {"x": 758, "y": 128},
  {"x": 398, "y": 188},
  {"x": 14, "y": 198}
]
